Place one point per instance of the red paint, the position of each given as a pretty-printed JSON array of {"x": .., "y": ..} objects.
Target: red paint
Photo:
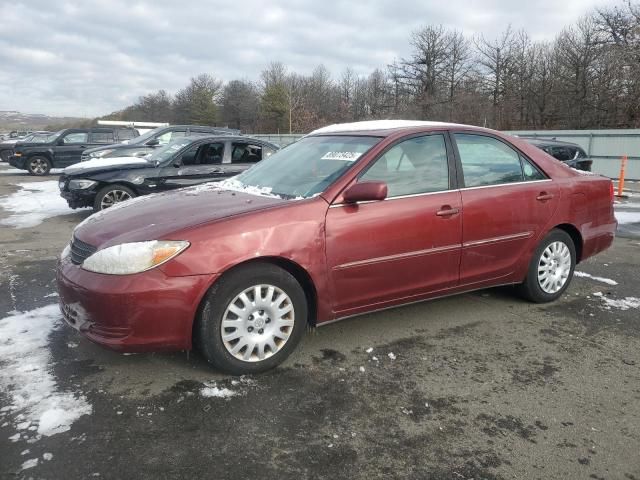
[{"x": 360, "y": 257}]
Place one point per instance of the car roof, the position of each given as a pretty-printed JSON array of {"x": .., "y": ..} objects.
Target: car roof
[
  {"x": 384, "y": 127},
  {"x": 225, "y": 138},
  {"x": 549, "y": 142}
]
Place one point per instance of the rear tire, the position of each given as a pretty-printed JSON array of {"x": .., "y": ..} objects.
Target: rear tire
[
  {"x": 260, "y": 336},
  {"x": 110, "y": 195},
  {"x": 551, "y": 268},
  {"x": 38, "y": 166}
]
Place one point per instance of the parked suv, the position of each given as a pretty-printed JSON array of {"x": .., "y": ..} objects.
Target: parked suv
[
  {"x": 103, "y": 182},
  {"x": 153, "y": 139},
  {"x": 570, "y": 153},
  {"x": 6, "y": 146},
  {"x": 65, "y": 147}
]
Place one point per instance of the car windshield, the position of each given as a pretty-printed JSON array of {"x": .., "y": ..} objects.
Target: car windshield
[
  {"x": 162, "y": 154},
  {"x": 307, "y": 167}
]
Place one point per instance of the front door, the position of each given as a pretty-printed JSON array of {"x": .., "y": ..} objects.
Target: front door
[
  {"x": 403, "y": 247},
  {"x": 506, "y": 200}
]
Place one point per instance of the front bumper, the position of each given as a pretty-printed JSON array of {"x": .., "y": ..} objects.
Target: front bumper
[
  {"x": 79, "y": 198},
  {"x": 18, "y": 162},
  {"x": 149, "y": 311}
]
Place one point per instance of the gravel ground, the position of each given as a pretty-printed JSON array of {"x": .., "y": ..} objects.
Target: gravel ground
[{"x": 482, "y": 386}]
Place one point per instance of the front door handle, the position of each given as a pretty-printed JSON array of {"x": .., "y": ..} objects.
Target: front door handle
[
  {"x": 447, "y": 211},
  {"x": 544, "y": 196}
]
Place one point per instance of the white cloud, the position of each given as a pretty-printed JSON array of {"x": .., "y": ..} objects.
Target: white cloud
[{"x": 91, "y": 57}]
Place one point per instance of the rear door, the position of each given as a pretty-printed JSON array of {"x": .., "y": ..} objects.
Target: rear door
[
  {"x": 406, "y": 246},
  {"x": 70, "y": 147},
  {"x": 243, "y": 155},
  {"x": 199, "y": 163},
  {"x": 507, "y": 201}
]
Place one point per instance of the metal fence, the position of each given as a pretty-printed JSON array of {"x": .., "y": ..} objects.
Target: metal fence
[{"x": 605, "y": 147}]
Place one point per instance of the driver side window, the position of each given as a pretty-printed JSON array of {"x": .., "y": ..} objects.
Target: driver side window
[{"x": 417, "y": 165}]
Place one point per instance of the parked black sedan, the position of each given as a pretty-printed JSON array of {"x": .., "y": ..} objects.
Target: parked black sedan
[
  {"x": 103, "y": 182},
  {"x": 570, "y": 153}
]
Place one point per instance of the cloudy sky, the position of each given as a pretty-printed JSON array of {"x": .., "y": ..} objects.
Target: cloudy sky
[{"x": 89, "y": 58}]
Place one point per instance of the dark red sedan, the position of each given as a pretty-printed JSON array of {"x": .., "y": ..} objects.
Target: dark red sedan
[{"x": 352, "y": 218}]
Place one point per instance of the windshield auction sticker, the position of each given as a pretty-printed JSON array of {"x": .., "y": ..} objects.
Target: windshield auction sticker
[{"x": 344, "y": 156}]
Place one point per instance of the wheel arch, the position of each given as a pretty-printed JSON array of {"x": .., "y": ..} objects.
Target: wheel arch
[
  {"x": 575, "y": 235},
  {"x": 295, "y": 269}
]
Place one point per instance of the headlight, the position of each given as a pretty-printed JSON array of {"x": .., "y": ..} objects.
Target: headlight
[
  {"x": 129, "y": 258},
  {"x": 100, "y": 153},
  {"x": 80, "y": 184}
]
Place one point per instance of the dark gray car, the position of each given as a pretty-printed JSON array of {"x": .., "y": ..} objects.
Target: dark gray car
[{"x": 102, "y": 182}]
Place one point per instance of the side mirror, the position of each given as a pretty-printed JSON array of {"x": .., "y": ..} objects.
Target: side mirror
[
  {"x": 177, "y": 164},
  {"x": 365, "y": 192},
  {"x": 60, "y": 142},
  {"x": 153, "y": 142}
]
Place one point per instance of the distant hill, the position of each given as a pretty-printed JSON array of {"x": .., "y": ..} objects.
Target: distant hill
[{"x": 12, "y": 120}]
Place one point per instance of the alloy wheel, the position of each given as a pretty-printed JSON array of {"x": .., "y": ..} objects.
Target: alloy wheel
[
  {"x": 554, "y": 267},
  {"x": 257, "y": 323},
  {"x": 112, "y": 197},
  {"x": 38, "y": 166}
]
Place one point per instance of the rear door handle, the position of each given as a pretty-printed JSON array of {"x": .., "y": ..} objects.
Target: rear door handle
[
  {"x": 544, "y": 196},
  {"x": 447, "y": 211}
]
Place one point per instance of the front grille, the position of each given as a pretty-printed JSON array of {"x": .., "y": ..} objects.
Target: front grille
[{"x": 80, "y": 251}]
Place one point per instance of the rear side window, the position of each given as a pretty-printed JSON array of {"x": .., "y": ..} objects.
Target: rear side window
[
  {"x": 413, "y": 166},
  {"x": 126, "y": 134},
  {"x": 75, "y": 137},
  {"x": 245, "y": 153},
  {"x": 487, "y": 161},
  {"x": 530, "y": 171},
  {"x": 102, "y": 136},
  {"x": 170, "y": 136}
]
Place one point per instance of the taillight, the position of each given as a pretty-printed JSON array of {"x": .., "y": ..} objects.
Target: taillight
[{"x": 611, "y": 192}]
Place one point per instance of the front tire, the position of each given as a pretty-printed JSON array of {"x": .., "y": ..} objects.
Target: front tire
[
  {"x": 251, "y": 319},
  {"x": 110, "y": 195},
  {"x": 4, "y": 155},
  {"x": 38, "y": 166},
  {"x": 551, "y": 268}
]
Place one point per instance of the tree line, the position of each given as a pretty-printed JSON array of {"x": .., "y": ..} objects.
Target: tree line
[{"x": 587, "y": 77}]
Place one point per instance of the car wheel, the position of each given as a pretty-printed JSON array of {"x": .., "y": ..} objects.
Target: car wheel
[
  {"x": 110, "y": 195},
  {"x": 4, "y": 155},
  {"x": 551, "y": 268},
  {"x": 251, "y": 319},
  {"x": 38, "y": 166}
]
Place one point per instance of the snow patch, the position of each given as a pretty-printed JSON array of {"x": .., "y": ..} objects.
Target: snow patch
[
  {"x": 105, "y": 162},
  {"x": 26, "y": 378},
  {"x": 218, "y": 392},
  {"x": 33, "y": 203},
  {"x": 627, "y": 217},
  {"x": 608, "y": 281},
  {"x": 621, "y": 304},
  {"x": 231, "y": 184},
  {"x": 33, "y": 462}
]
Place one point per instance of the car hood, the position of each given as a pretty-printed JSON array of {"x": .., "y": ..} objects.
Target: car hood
[
  {"x": 104, "y": 164},
  {"x": 160, "y": 215}
]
